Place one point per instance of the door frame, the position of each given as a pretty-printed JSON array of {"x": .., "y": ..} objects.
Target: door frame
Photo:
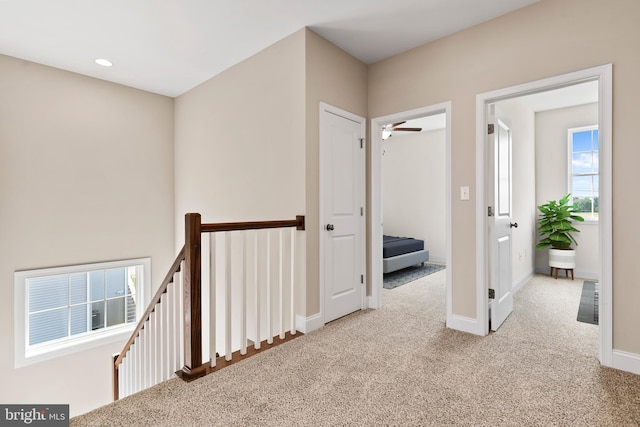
[
  {"x": 604, "y": 75},
  {"x": 330, "y": 109},
  {"x": 375, "y": 186}
]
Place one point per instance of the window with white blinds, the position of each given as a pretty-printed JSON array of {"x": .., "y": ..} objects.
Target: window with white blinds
[{"x": 65, "y": 307}]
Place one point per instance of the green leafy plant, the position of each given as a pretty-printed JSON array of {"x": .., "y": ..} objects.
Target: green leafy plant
[{"x": 556, "y": 224}]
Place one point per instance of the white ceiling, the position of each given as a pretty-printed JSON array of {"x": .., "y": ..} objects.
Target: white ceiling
[
  {"x": 170, "y": 46},
  {"x": 578, "y": 94}
]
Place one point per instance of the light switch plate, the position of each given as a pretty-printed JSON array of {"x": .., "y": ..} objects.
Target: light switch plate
[{"x": 464, "y": 193}]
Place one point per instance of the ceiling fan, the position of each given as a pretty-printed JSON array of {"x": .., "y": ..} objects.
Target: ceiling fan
[{"x": 387, "y": 130}]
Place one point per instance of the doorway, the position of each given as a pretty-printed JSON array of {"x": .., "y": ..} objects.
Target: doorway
[
  {"x": 603, "y": 76},
  {"x": 376, "y": 197}
]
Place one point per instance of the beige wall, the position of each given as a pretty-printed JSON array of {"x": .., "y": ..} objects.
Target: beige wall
[
  {"x": 552, "y": 179},
  {"x": 546, "y": 39},
  {"x": 86, "y": 175},
  {"x": 247, "y": 140},
  {"x": 239, "y": 152},
  {"x": 337, "y": 78},
  {"x": 239, "y": 144},
  {"x": 414, "y": 189}
]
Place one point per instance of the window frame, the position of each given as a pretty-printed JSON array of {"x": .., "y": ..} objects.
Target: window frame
[
  {"x": 26, "y": 354},
  {"x": 570, "y": 174}
]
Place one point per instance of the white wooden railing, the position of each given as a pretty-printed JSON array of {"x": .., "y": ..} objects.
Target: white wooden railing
[{"x": 229, "y": 294}]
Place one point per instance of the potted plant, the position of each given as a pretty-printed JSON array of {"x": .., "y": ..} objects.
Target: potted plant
[{"x": 556, "y": 230}]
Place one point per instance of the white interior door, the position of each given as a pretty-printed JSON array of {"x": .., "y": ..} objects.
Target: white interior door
[
  {"x": 342, "y": 213},
  {"x": 500, "y": 221}
]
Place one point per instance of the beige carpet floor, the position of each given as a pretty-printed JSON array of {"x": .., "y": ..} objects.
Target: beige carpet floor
[{"x": 400, "y": 366}]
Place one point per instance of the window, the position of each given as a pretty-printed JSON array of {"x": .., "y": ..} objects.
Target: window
[
  {"x": 584, "y": 182},
  {"x": 68, "y": 309}
]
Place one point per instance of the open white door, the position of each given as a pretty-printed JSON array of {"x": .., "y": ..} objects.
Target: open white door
[
  {"x": 342, "y": 212},
  {"x": 499, "y": 220}
]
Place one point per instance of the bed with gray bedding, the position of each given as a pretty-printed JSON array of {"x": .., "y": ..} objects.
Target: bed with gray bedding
[{"x": 402, "y": 252}]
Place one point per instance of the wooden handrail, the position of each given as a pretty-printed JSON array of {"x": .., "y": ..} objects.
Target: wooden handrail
[{"x": 256, "y": 225}]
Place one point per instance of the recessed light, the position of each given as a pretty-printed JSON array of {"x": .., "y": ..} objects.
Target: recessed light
[{"x": 103, "y": 62}]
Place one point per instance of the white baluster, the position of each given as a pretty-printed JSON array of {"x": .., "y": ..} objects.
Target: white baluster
[
  {"x": 243, "y": 297},
  {"x": 156, "y": 346},
  {"x": 158, "y": 349},
  {"x": 171, "y": 327},
  {"x": 269, "y": 322},
  {"x": 280, "y": 292},
  {"x": 178, "y": 320},
  {"x": 141, "y": 358},
  {"x": 212, "y": 299},
  {"x": 165, "y": 349},
  {"x": 151, "y": 357},
  {"x": 205, "y": 279},
  {"x": 227, "y": 297},
  {"x": 256, "y": 290},
  {"x": 122, "y": 375},
  {"x": 130, "y": 369},
  {"x": 293, "y": 261},
  {"x": 136, "y": 366}
]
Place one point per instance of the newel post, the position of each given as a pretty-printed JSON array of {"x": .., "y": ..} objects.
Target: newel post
[{"x": 192, "y": 297}]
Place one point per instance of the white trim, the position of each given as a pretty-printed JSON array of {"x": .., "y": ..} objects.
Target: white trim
[
  {"x": 375, "y": 186},
  {"x": 464, "y": 324},
  {"x": 27, "y": 356},
  {"x": 604, "y": 75},
  {"x": 309, "y": 324},
  {"x": 578, "y": 274},
  {"x": 324, "y": 107},
  {"x": 517, "y": 286},
  {"x": 629, "y": 362}
]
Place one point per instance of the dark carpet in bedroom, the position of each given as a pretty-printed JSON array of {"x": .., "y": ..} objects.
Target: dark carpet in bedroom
[
  {"x": 589, "y": 301},
  {"x": 409, "y": 274}
]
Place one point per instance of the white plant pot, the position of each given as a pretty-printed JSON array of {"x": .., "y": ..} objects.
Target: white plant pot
[{"x": 562, "y": 258}]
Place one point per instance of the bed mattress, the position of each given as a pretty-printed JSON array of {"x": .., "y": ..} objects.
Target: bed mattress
[{"x": 394, "y": 246}]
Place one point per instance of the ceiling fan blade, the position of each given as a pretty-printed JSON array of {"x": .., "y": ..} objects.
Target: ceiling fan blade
[
  {"x": 408, "y": 129},
  {"x": 398, "y": 124}
]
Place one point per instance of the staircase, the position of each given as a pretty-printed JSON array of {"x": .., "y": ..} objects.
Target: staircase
[{"x": 229, "y": 294}]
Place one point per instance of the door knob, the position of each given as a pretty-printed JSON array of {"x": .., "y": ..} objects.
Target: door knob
[
  {"x": 513, "y": 225},
  {"x": 329, "y": 227}
]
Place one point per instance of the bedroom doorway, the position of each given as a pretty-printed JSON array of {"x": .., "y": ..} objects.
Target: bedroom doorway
[
  {"x": 434, "y": 113},
  {"x": 602, "y": 77}
]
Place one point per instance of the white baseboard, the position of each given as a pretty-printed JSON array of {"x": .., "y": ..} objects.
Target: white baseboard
[
  {"x": 309, "y": 324},
  {"x": 465, "y": 324},
  {"x": 589, "y": 275},
  {"x": 624, "y": 361},
  {"x": 518, "y": 285},
  {"x": 438, "y": 259}
]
